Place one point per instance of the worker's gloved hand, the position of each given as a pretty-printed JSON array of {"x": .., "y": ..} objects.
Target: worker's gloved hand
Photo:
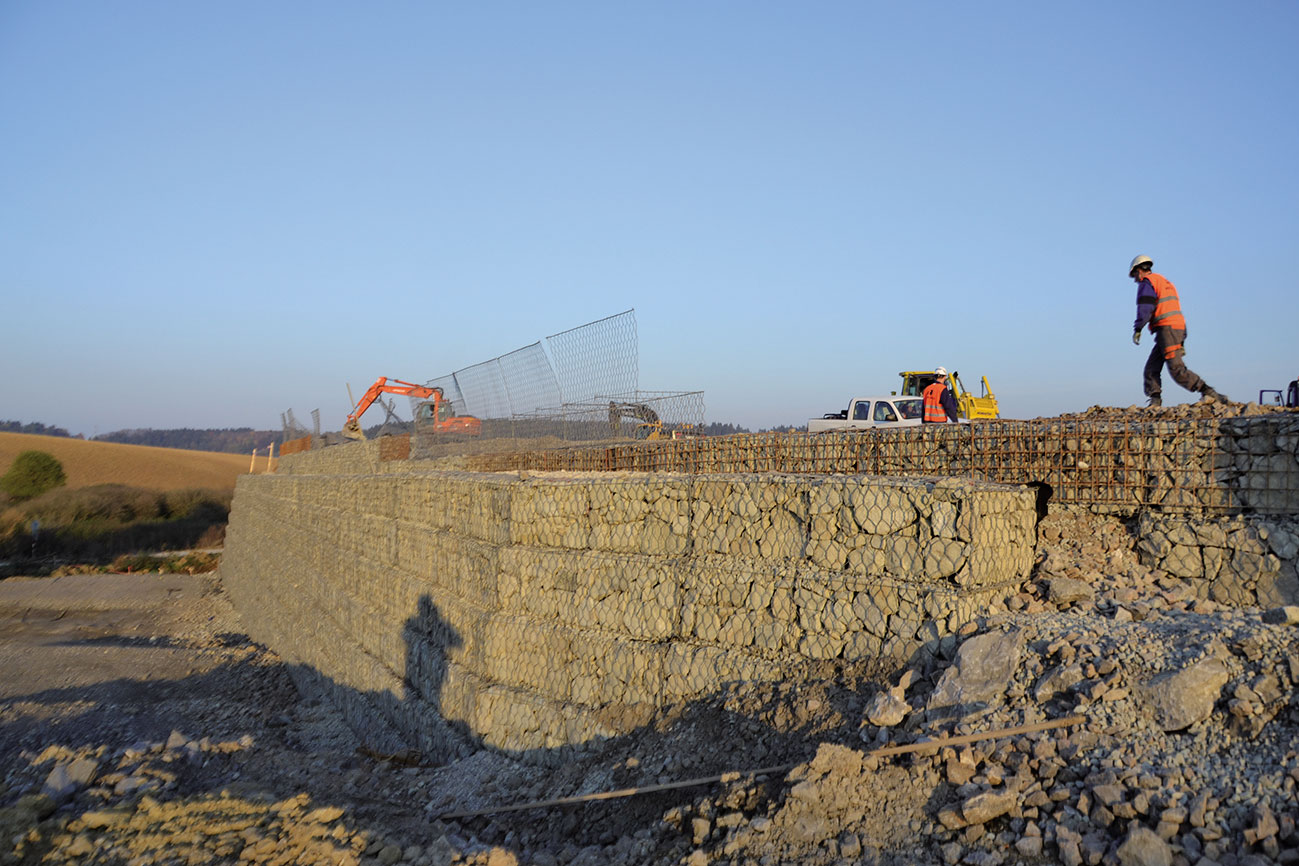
[{"x": 1136, "y": 338}]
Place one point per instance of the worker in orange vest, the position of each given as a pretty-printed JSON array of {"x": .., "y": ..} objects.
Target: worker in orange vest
[
  {"x": 1159, "y": 309},
  {"x": 940, "y": 405}
]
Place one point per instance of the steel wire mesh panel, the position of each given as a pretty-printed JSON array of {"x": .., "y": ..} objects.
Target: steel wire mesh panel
[
  {"x": 518, "y": 383},
  {"x": 597, "y": 358},
  {"x": 450, "y": 392},
  {"x": 529, "y": 380},
  {"x": 484, "y": 391},
  {"x": 292, "y": 429},
  {"x": 638, "y": 415},
  {"x": 296, "y": 437},
  {"x": 588, "y": 393}
]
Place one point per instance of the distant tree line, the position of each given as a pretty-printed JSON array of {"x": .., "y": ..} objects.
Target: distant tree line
[
  {"x": 34, "y": 428},
  {"x": 243, "y": 440},
  {"x": 718, "y": 429},
  {"x": 231, "y": 440}
]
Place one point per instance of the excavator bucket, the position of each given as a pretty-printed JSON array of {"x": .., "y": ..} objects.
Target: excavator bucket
[{"x": 352, "y": 430}]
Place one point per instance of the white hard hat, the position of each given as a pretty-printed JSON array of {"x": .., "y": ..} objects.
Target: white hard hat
[
  {"x": 942, "y": 371},
  {"x": 1139, "y": 260}
]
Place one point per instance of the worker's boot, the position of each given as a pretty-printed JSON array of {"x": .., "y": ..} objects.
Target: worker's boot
[
  {"x": 1155, "y": 401},
  {"x": 1209, "y": 395}
]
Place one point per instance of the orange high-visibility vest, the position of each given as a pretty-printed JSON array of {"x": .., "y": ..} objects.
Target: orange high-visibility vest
[
  {"x": 1168, "y": 310},
  {"x": 933, "y": 400}
]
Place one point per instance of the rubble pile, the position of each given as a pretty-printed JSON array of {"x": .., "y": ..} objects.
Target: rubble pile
[{"x": 1198, "y": 410}]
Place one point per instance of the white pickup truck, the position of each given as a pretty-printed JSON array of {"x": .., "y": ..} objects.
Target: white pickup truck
[{"x": 866, "y": 413}]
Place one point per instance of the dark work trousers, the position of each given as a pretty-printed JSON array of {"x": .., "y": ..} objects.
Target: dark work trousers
[{"x": 1177, "y": 368}]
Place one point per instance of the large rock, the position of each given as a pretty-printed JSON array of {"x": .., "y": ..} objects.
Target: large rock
[
  {"x": 1143, "y": 847},
  {"x": 1059, "y": 679},
  {"x": 887, "y": 710},
  {"x": 66, "y": 779},
  {"x": 985, "y": 806},
  {"x": 1064, "y": 590},
  {"x": 1179, "y": 699},
  {"x": 980, "y": 674},
  {"x": 1288, "y": 615}
]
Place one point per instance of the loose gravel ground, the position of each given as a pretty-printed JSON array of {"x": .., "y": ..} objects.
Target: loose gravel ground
[{"x": 138, "y": 725}]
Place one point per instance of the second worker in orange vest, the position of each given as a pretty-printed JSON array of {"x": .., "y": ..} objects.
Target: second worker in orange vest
[
  {"x": 1159, "y": 308},
  {"x": 939, "y": 404}
]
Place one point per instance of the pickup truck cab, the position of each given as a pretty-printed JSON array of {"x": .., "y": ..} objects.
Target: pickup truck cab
[{"x": 866, "y": 413}]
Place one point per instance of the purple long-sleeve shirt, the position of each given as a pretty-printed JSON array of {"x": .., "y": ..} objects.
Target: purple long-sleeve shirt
[{"x": 1146, "y": 300}]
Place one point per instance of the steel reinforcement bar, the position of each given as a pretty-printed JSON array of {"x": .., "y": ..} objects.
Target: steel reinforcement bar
[{"x": 1206, "y": 465}]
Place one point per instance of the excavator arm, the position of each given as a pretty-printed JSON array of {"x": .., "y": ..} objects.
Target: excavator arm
[
  {"x": 650, "y": 426},
  {"x": 384, "y": 385}
]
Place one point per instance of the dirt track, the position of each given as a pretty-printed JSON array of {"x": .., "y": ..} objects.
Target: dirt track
[{"x": 149, "y": 681}]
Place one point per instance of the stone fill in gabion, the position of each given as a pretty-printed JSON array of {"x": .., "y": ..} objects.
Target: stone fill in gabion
[
  {"x": 1201, "y": 459},
  {"x": 1237, "y": 561},
  {"x": 534, "y": 612}
]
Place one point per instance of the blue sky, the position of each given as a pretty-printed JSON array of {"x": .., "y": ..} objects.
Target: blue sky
[{"x": 213, "y": 212}]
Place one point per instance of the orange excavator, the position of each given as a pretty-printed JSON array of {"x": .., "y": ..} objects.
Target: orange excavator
[{"x": 432, "y": 414}]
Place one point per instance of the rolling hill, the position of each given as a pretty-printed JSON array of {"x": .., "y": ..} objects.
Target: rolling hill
[{"x": 87, "y": 463}]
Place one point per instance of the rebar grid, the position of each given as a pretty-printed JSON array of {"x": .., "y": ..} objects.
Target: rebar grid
[{"x": 1208, "y": 465}]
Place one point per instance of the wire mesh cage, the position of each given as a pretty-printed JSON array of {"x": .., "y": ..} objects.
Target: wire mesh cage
[{"x": 1240, "y": 465}]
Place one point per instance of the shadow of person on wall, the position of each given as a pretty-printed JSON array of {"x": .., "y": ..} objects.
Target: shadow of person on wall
[{"x": 429, "y": 640}]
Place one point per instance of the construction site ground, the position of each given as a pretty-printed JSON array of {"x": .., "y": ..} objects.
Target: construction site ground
[{"x": 139, "y": 725}]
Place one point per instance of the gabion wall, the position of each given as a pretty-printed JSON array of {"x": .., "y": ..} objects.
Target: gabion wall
[
  {"x": 535, "y": 612},
  {"x": 1242, "y": 561}
]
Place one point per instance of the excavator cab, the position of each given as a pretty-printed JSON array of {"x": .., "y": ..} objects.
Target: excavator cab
[
  {"x": 440, "y": 416},
  {"x": 432, "y": 412}
]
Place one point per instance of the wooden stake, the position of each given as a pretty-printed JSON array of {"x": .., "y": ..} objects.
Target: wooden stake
[{"x": 887, "y": 751}]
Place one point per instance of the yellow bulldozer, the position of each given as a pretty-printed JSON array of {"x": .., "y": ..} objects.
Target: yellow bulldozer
[{"x": 968, "y": 406}]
